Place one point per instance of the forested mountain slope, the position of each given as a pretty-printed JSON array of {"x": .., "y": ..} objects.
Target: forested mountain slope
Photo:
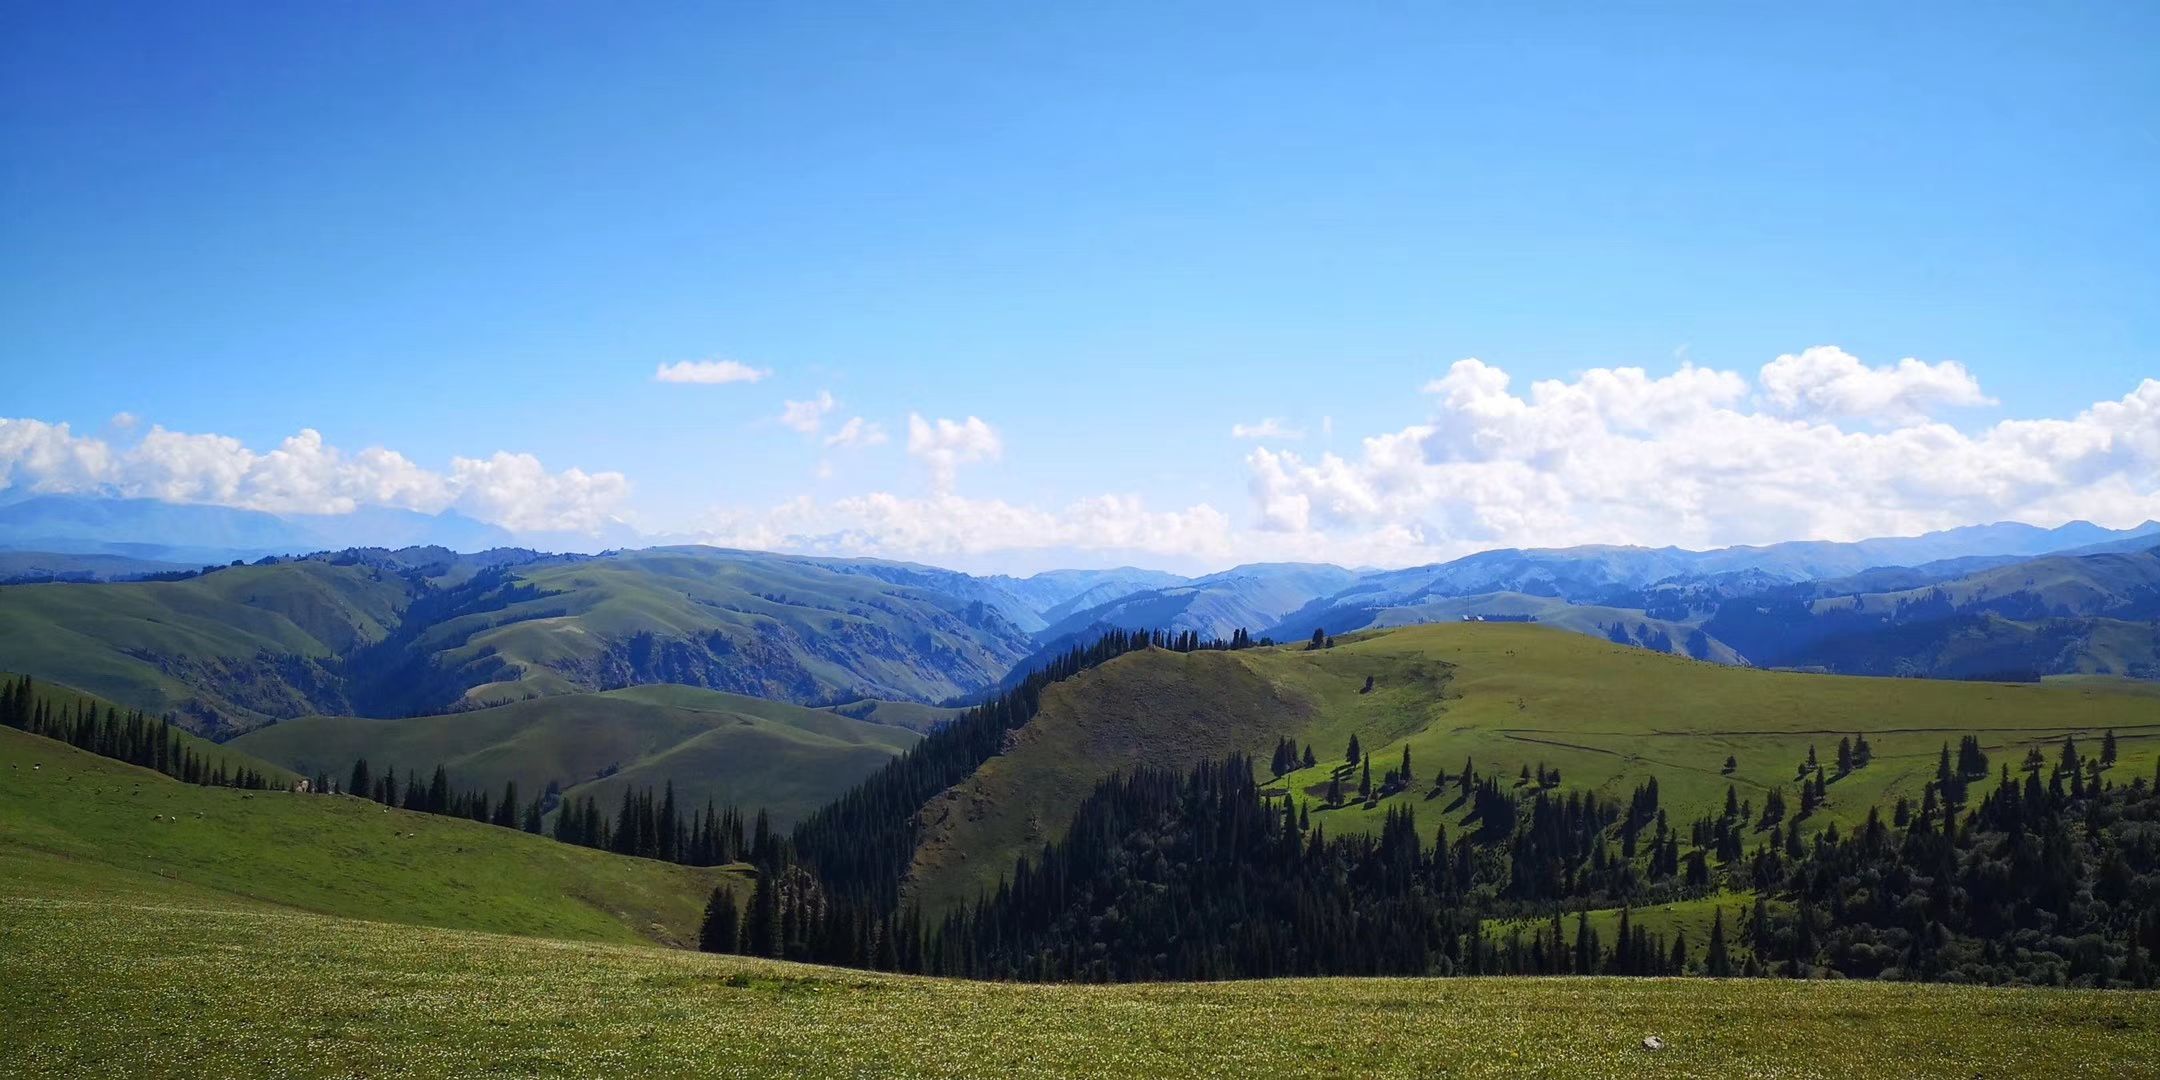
[{"x": 1510, "y": 700}]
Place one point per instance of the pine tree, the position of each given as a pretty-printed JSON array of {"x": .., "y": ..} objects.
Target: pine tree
[
  {"x": 1716, "y": 963},
  {"x": 1354, "y": 754},
  {"x": 1364, "y": 788},
  {"x": 363, "y": 782},
  {"x": 1844, "y": 756},
  {"x": 1310, "y": 760},
  {"x": 2107, "y": 748},
  {"x": 762, "y": 936},
  {"x": 721, "y": 932}
]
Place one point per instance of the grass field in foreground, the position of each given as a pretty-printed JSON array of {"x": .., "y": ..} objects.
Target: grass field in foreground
[
  {"x": 90, "y": 988},
  {"x": 74, "y": 824}
]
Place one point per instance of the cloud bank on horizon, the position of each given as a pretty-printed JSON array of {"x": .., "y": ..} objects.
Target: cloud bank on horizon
[{"x": 1817, "y": 445}]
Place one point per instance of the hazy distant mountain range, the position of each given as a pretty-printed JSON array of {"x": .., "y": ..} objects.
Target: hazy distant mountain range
[
  {"x": 404, "y": 629},
  {"x": 194, "y": 534}
]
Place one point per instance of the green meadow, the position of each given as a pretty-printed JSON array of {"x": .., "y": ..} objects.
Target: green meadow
[
  {"x": 142, "y": 988},
  {"x": 74, "y": 824}
]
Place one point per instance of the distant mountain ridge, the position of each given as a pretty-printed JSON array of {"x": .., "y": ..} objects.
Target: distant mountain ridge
[
  {"x": 197, "y": 533},
  {"x": 1604, "y": 574},
  {"x": 424, "y": 629}
]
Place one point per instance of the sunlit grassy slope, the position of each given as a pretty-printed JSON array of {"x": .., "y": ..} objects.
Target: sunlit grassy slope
[
  {"x": 1502, "y": 695},
  {"x": 73, "y": 824},
  {"x": 712, "y": 746},
  {"x": 100, "y": 988}
]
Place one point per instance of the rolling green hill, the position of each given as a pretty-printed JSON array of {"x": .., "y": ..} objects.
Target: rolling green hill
[
  {"x": 907, "y": 714},
  {"x": 90, "y": 986},
  {"x": 2071, "y": 614},
  {"x": 1505, "y": 696},
  {"x": 712, "y": 746},
  {"x": 1612, "y": 623},
  {"x": 402, "y": 633},
  {"x": 76, "y": 825},
  {"x": 736, "y": 621},
  {"x": 226, "y": 650}
]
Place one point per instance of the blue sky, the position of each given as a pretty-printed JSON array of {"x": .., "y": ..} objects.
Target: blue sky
[{"x": 1110, "y": 232}]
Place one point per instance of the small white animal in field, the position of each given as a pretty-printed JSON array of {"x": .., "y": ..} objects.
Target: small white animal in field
[{"x": 1653, "y": 1043}]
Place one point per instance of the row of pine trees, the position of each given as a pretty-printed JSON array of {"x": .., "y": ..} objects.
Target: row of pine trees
[{"x": 132, "y": 738}]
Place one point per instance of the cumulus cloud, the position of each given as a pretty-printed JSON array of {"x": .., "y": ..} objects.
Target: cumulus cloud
[
  {"x": 944, "y": 445},
  {"x": 303, "y": 474},
  {"x": 1268, "y": 428},
  {"x": 1701, "y": 458},
  {"x": 857, "y": 432},
  {"x": 708, "y": 371},
  {"x": 1828, "y": 382},
  {"x": 809, "y": 415}
]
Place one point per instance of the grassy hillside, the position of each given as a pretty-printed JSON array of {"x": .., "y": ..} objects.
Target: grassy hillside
[
  {"x": 227, "y": 650},
  {"x": 1661, "y": 635},
  {"x": 94, "y": 987},
  {"x": 2094, "y": 613},
  {"x": 721, "y": 747},
  {"x": 424, "y": 631},
  {"x": 765, "y": 626},
  {"x": 2125, "y": 584},
  {"x": 906, "y": 714},
  {"x": 1506, "y": 696},
  {"x": 76, "y": 825}
]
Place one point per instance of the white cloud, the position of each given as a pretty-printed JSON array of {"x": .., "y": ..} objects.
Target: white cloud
[
  {"x": 708, "y": 371},
  {"x": 1828, "y": 382},
  {"x": 304, "y": 474},
  {"x": 124, "y": 421},
  {"x": 517, "y": 492},
  {"x": 946, "y": 525},
  {"x": 944, "y": 445},
  {"x": 1268, "y": 428},
  {"x": 807, "y": 416},
  {"x": 1616, "y": 456},
  {"x": 857, "y": 432}
]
